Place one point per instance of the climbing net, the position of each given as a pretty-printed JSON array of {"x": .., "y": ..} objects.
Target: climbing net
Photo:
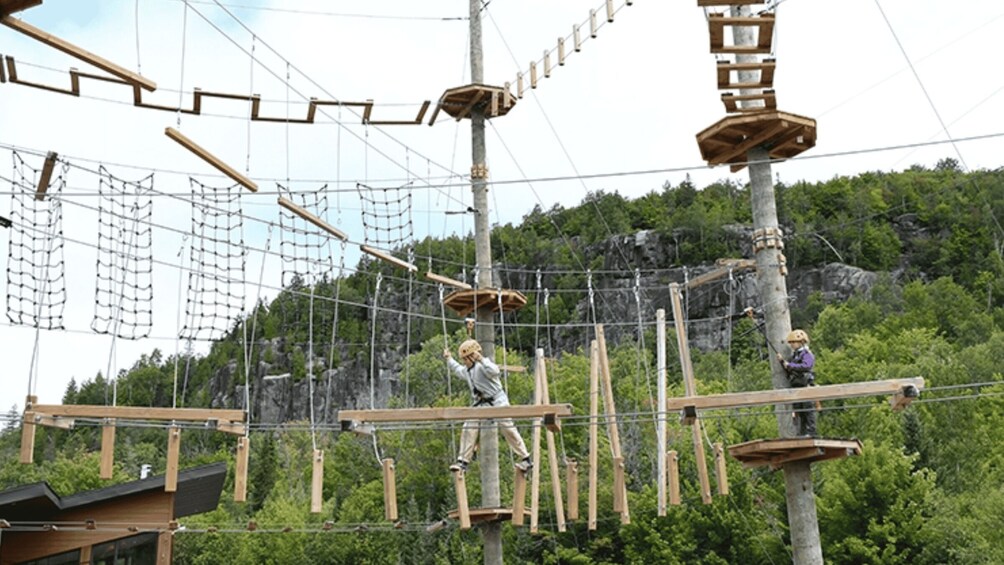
[
  {"x": 218, "y": 259},
  {"x": 123, "y": 301},
  {"x": 386, "y": 215},
  {"x": 36, "y": 275}
]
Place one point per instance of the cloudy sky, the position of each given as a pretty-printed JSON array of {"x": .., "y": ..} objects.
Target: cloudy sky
[{"x": 620, "y": 115}]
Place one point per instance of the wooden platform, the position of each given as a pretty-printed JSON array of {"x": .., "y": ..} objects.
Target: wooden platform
[
  {"x": 464, "y": 302},
  {"x": 481, "y": 515},
  {"x": 765, "y": 33},
  {"x": 784, "y": 135},
  {"x": 774, "y": 453},
  {"x": 458, "y": 102},
  {"x": 10, "y": 6}
]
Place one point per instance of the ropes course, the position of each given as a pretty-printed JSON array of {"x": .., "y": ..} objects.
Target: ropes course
[{"x": 220, "y": 240}]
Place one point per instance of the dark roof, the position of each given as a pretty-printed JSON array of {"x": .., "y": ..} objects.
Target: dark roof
[{"x": 198, "y": 491}]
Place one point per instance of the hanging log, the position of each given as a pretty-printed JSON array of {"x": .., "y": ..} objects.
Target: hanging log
[
  {"x": 107, "y": 449},
  {"x": 611, "y": 410},
  {"x": 208, "y": 157},
  {"x": 552, "y": 455},
  {"x": 241, "y": 469},
  {"x": 518, "y": 496},
  {"x": 317, "y": 482},
  {"x": 388, "y": 258},
  {"x": 538, "y": 398},
  {"x": 721, "y": 473},
  {"x": 660, "y": 342},
  {"x": 460, "y": 485},
  {"x": 673, "y": 465},
  {"x": 447, "y": 281},
  {"x": 572, "y": 484},
  {"x": 389, "y": 491},
  {"x": 173, "y": 452},
  {"x": 46, "y": 176},
  {"x": 306, "y": 215},
  {"x": 28, "y": 438}
]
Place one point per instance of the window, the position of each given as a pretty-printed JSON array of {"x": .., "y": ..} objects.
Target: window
[
  {"x": 135, "y": 550},
  {"x": 61, "y": 559}
]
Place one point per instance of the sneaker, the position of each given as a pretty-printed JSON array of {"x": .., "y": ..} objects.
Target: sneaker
[
  {"x": 460, "y": 465},
  {"x": 525, "y": 465}
]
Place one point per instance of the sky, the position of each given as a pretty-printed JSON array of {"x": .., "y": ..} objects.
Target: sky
[{"x": 621, "y": 115}]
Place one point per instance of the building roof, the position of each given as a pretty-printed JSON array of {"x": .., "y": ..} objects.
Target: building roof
[{"x": 198, "y": 491}]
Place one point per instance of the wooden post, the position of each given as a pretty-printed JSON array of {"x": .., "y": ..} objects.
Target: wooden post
[
  {"x": 611, "y": 410},
  {"x": 577, "y": 35},
  {"x": 561, "y": 51},
  {"x": 538, "y": 398},
  {"x": 519, "y": 85},
  {"x": 317, "y": 482},
  {"x": 592, "y": 24},
  {"x": 594, "y": 424},
  {"x": 518, "y": 496},
  {"x": 241, "y": 469},
  {"x": 173, "y": 452},
  {"x": 28, "y": 438},
  {"x": 390, "y": 491},
  {"x": 660, "y": 430},
  {"x": 552, "y": 455},
  {"x": 721, "y": 473},
  {"x": 674, "y": 477},
  {"x": 533, "y": 74},
  {"x": 610, "y": 11},
  {"x": 619, "y": 485},
  {"x": 460, "y": 484},
  {"x": 107, "y": 449},
  {"x": 572, "y": 484},
  {"x": 690, "y": 386},
  {"x": 547, "y": 64}
]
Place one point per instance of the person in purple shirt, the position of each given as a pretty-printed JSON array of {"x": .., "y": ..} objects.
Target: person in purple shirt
[{"x": 800, "y": 374}]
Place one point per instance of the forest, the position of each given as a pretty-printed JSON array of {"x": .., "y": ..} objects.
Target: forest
[{"x": 928, "y": 487}]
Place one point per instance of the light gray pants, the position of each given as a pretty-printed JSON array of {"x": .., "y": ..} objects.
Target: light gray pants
[{"x": 469, "y": 436}]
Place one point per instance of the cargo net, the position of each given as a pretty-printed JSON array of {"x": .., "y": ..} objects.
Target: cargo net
[
  {"x": 217, "y": 261},
  {"x": 36, "y": 272},
  {"x": 123, "y": 297},
  {"x": 386, "y": 216}
]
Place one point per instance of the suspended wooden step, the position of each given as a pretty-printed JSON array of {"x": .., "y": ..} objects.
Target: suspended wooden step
[
  {"x": 765, "y": 33},
  {"x": 464, "y": 302},
  {"x": 774, "y": 453},
  {"x": 548, "y": 412},
  {"x": 900, "y": 389},
  {"x": 459, "y": 102},
  {"x": 784, "y": 135},
  {"x": 766, "y": 70},
  {"x": 732, "y": 101},
  {"x": 481, "y": 515},
  {"x": 10, "y": 6}
]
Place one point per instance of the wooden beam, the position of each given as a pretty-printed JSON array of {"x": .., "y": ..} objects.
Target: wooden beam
[
  {"x": 690, "y": 386},
  {"x": 729, "y": 265},
  {"x": 173, "y": 453},
  {"x": 388, "y": 258},
  {"x": 389, "y": 491},
  {"x": 77, "y": 52},
  {"x": 518, "y": 496},
  {"x": 673, "y": 465},
  {"x": 54, "y": 422},
  {"x": 107, "y": 449},
  {"x": 306, "y": 215},
  {"x": 538, "y": 400},
  {"x": 721, "y": 472},
  {"x": 211, "y": 159},
  {"x": 702, "y": 462},
  {"x": 592, "y": 24},
  {"x": 447, "y": 281},
  {"x": 139, "y": 412},
  {"x": 28, "y": 438},
  {"x": 459, "y": 413},
  {"x": 790, "y": 395},
  {"x": 594, "y": 427},
  {"x": 8, "y": 7},
  {"x": 460, "y": 485},
  {"x": 611, "y": 411},
  {"x": 619, "y": 487},
  {"x": 317, "y": 482},
  {"x": 46, "y": 176},
  {"x": 572, "y": 484},
  {"x": 552, "y": 454},
  {"x": 241, "y": 469},
  {"x": 235, "y": 428}
]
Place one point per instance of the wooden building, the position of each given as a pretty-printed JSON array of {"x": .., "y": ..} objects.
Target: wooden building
[{"x": 127, "y": 523}]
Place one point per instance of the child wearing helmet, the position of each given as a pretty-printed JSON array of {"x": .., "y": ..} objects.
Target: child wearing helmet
[
  {"x": 482, "y": 375},
  {"x": 799, "y": 369}
]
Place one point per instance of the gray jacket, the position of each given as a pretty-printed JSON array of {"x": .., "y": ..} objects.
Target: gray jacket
[{"x": 483, "y": 378}]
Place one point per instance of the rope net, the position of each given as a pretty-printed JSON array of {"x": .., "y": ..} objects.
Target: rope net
[
  {"x": 218, "y": 261},
  {"x": 36, "y": 273},
  {"x": 386, "y": 215},
  {"x": 123, "y": 298}
]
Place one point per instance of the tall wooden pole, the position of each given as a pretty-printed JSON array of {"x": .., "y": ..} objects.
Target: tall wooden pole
[
  {"x": 802, "y": 520},
  {"x": 660, "y": 348},
  {"x": 485, "y": 329}
]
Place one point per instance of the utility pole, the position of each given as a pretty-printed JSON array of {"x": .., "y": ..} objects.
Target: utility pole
[
  {"x": 803, "y": 524},
  {"x": 485, "y": 329}
]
